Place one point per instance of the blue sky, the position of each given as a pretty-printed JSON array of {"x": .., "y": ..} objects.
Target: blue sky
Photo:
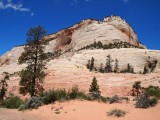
[{"x": 17, "y": 16}]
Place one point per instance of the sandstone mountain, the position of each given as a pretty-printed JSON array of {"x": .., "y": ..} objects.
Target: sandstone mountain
[{"x": 75, "y": 46}]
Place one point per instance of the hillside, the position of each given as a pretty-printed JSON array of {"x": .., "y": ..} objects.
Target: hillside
[{"x": 75, "y": 46}]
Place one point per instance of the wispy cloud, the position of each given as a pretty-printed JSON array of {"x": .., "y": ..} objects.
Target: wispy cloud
[{"x": 14, "y": 6}]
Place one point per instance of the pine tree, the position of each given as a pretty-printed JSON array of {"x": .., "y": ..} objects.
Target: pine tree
[
  {"x": 32, "y": 76},
  {"x": 99, "y": 44},
  {"x": 116, "y": 68},
  {"x": 108, "y": 67},
  {"x": 145, "y": 70},
  {"x": 94, "y": 88},
  {"x": 136, "y": 88},
  {"x": 95, "y": 44},
  {"x": 92, "y": 64},
  {"x": 3, "y": 85},
  {"x": 88, "y": 64},
  {"x": 101, "y": 69},
  {"x": 128, "y": 68}
]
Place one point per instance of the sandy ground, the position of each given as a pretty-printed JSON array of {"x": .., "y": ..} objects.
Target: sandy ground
[
  {"x": 110, "y": 84},
  {"x": 82, "y": 110}
]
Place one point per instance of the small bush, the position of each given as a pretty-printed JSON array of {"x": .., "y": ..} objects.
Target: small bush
[
  {"x": 153, "y": 91},
  {"x": 33, "y": 102},
  {"x": 104, "y": 99},
  {"x": 13, "y": 102},
  {"x": 22, "y": 107},
  {"x": 93, "y": 96},
  {"x": 144, "y": 102},
  {"x": 114, "y": 99},
  {"x": 2, "y": 104},
  {"x": 49, "y": 96},
  {"x": 75, "y": 93},
  {"x": 61, "y": 95},
  {"x": 125, "y": 98},
  {"x": 117, "y": 113}
]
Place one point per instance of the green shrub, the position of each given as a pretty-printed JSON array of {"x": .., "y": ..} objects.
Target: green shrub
[
  {"x": 61, "y": 94},
  {"x": 93, "y": 96},
  {"x": 2, "y": 104},
  {"x": 13, "y": 101},
  {"x": 153, "y": 102},
  {"x": 76, "y": 93},
  {"x": 114, "y": 99},
  {"x": 49, "y": 97},
  {"x": 53, "y": 95},
  {"x": 125, "y": 98},
  {"x": 136, "y": 88},
  {"x": 153, "y": 91},
  {"x": 103, "y": 99},
  {"x": 94, "y": 89},
  {"x": 116, "y": 112},
  {"x": 34, "y": 102},
  {"x": 45, "y": 98},
  {"x": 144, "y": 102},
  {"x": 22, "y": 107}
]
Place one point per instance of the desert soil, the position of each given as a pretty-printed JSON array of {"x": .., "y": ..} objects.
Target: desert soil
[{"x": 82, "y": 110}]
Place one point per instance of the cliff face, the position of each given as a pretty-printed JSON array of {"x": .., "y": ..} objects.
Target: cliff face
[
  {"x": 111, "y": 29},
  {"x": 70, "y": 41}
]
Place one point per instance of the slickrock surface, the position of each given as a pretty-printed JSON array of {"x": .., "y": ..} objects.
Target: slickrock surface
[{"x": 70, "y": 67}]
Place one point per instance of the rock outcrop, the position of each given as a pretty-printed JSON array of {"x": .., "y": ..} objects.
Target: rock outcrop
[
  {"x": 70, "y": 41},
  {"x": 111, "y": 29}
]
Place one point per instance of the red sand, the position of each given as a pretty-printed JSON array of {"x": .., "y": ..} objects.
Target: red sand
[{"x": 82, "y": 110}]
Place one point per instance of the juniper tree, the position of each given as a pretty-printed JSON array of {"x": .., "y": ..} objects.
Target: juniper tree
[
  {"x": 145, "y": 70},
  {"x": 88, "y": 64},
  {"x": 116, "y": 68},
  {"x": 99, "y": 44},
  {"x": 3, "y": 85},
  {"x": 101, "y": 69},
  {"x": 108, "y": 67},
  {"x": 32, "y": 76},
  {"x": 94, "y": 88},
  {"x": 92, "y": 64},
  {"x": 95, "y": 44},
  {"x": 129, "y": 69},
  {"x": 136, "y": 88}
]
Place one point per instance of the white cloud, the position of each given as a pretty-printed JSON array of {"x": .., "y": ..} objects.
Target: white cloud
[{"x": 16, "y": 7}]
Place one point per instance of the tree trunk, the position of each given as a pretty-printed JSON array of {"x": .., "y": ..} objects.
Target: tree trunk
[{"x": 35, "y": 70}]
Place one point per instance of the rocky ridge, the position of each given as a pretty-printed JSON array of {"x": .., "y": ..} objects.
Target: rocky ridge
[
  {"x": 69, "y": 43},
  {"x": 75, "y": 46}
]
